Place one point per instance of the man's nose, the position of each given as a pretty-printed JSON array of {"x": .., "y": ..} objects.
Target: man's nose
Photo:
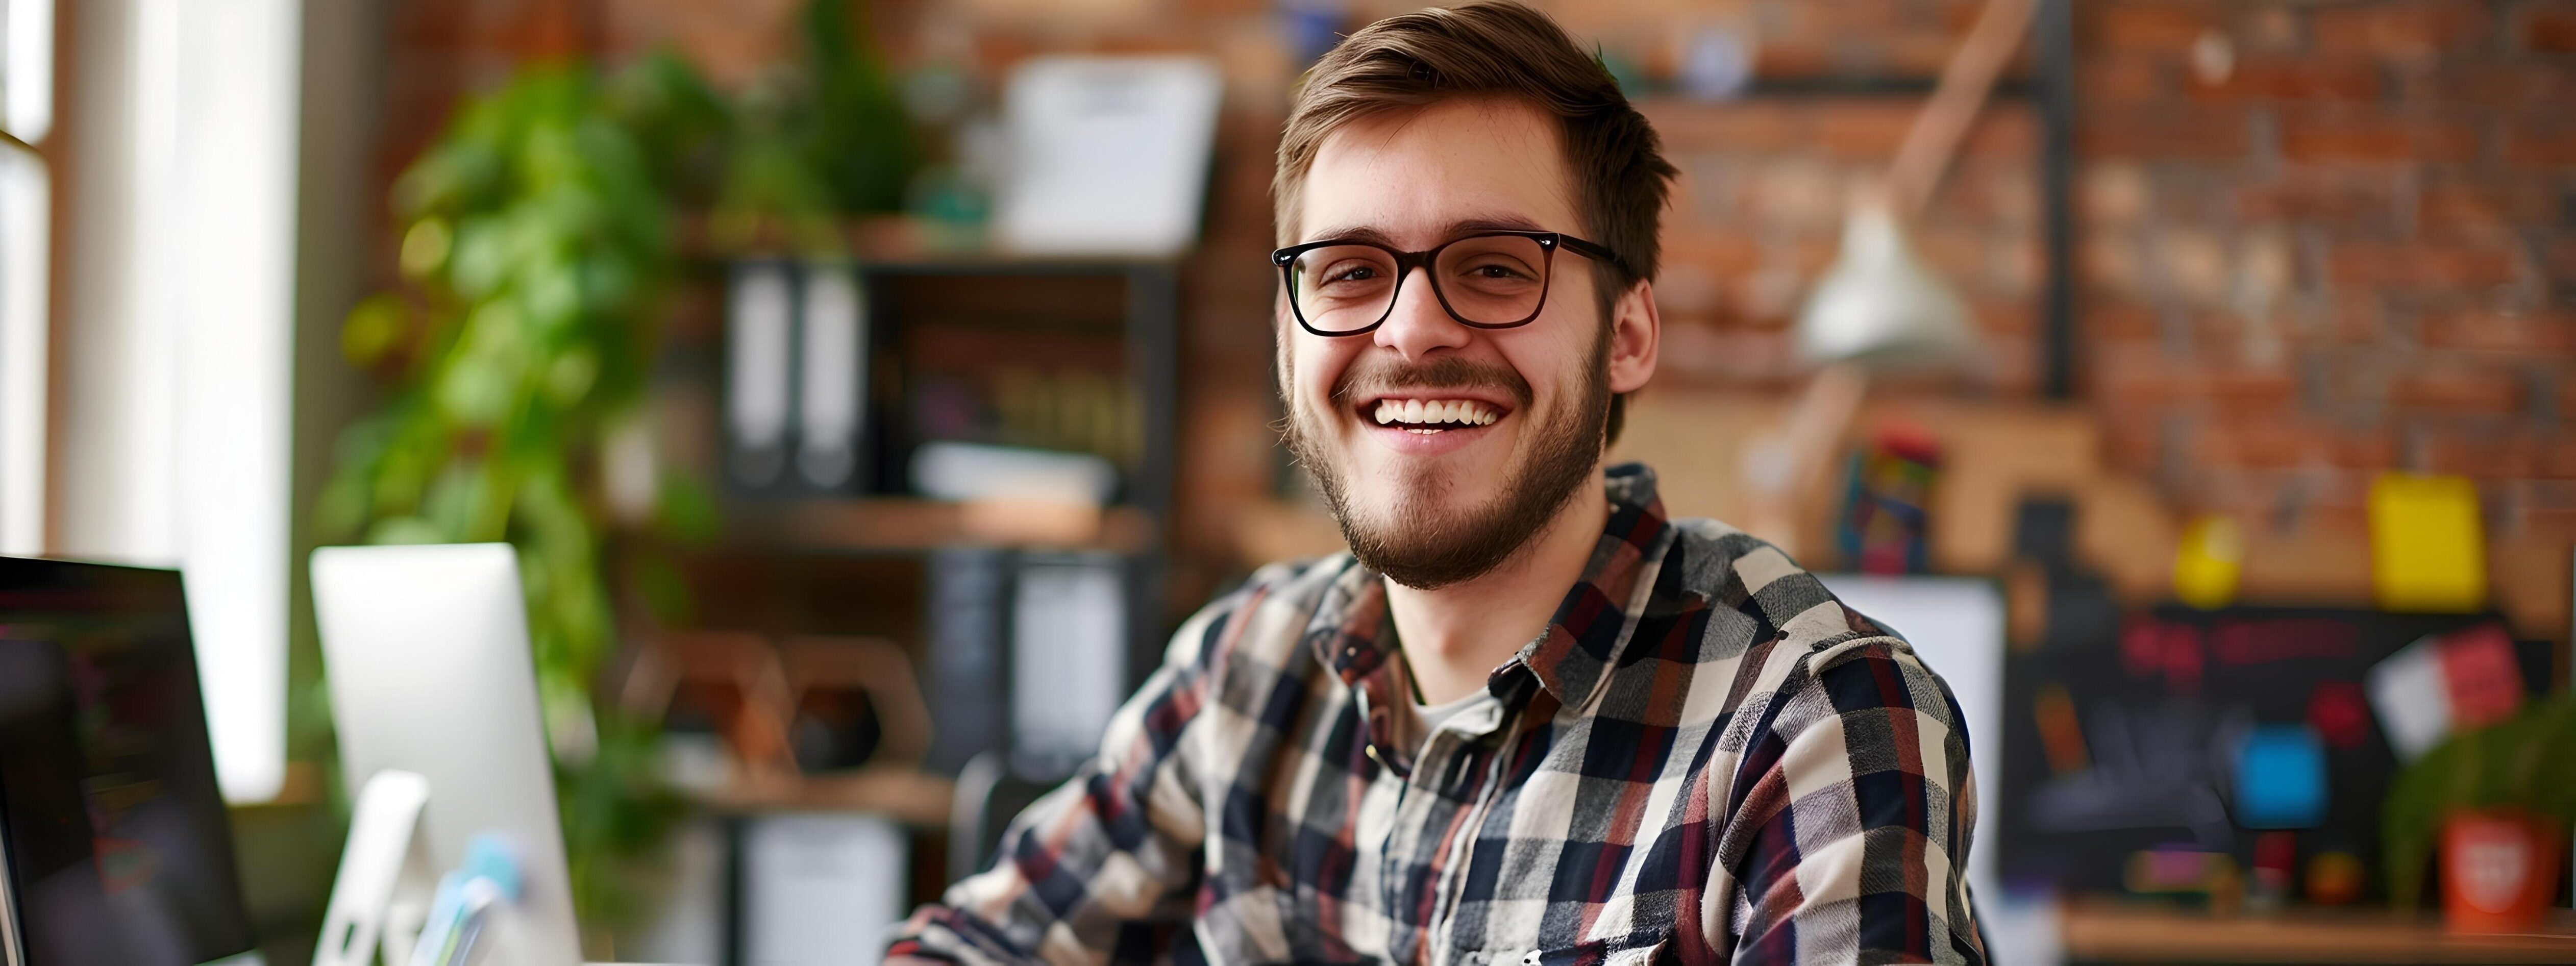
[{"x": 1417, "y": 324}]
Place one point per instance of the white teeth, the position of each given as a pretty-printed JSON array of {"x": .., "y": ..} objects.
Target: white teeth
[{"x": 1417, "y": 413}]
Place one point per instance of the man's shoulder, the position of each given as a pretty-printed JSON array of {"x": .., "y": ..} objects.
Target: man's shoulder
[
  {"x": 1784, "y": 604},
  {"x": 1265, "y": 617},
  {"x": 1815, "y": 642},
  {"x": 1734, "y": 569}
]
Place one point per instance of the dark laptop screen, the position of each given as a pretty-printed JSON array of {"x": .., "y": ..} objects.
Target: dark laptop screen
[{"x": 117, "y": 844}]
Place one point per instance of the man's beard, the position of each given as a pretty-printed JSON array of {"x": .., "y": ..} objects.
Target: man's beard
[{"x": 1421, "y": 541}]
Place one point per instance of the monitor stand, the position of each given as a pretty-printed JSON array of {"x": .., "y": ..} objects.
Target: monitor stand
[{"x": 380, "y": 899}]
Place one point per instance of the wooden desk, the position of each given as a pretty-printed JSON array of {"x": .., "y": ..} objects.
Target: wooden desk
[{"x": 2104, "y": 931}]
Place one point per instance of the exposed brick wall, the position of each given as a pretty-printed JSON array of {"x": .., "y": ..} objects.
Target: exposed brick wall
[
  {"x": 2352, "y": 250},
  {"x": 2348, "y": 253}
]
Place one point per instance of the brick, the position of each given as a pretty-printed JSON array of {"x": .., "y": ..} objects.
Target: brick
[
  {"x": 2458, "y": 389},
  {"x": 2548, "y": 27},
  {"x": 2112, "y": 193},
  {"x": 2407, "y": 30},
  {"x": 2012, "y": 321},
  {"x": 2290, "y": 442},
  {"x": 2520, "y": 335},
  {"x": 2106, "y": 320},
  {"x": 1996, "y": 193},
  {"x": 546, "y": 30},
  {"x": 2134, "y": 374},
  {"x": 2384, "y": 265},
  {"x": 2558, "y": 457},
  {"x": 2489, "y": 202},
  {"x": 2115, "y": 79},
  {"x": 2007, "y": 134},
  {"x": 2484, "y": 455},
  {"x": 2289, "y": 79},
  {"x": 1831, "y": 21},
  {"x": 2377, "y": 139},
  {"x": 2109, "y": 262},
  {"x": 2154, "y": 25},
  {"x": 432, "y": 27},
  {"x": 2343, "y": 199},
  {"x": 2207, "y": 135},
  {"x": 2508, "y": 84},
  {"x": 2533, "y": 141},
  {"x": 2271, "y": 28},
  {"x": 1796, "y": 195},
  {"x": 1721, "y": 253},
  {"x": 2193, "y": 263},
  {"x": 1786, "y": 59},
  {"x": 1862, "y": 128},
  {"x": 1735, "y": 126}
]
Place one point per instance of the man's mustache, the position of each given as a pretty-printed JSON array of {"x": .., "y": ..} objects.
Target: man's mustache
[{"x": 1369, "y": 376}]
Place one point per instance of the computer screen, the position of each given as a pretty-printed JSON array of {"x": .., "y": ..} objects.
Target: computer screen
[{"x": 118, "y": 851}]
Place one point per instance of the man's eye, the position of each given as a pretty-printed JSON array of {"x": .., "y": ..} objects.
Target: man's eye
[
  {"x": 1355, "y": 273},
  {"x": 1497, "y": 272}
]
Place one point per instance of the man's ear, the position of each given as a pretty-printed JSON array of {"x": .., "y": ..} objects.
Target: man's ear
[{"x": 1636, "y": 336}]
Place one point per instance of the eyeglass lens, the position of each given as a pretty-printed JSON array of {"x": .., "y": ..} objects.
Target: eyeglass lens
[{"x": 1486, "y": 279}]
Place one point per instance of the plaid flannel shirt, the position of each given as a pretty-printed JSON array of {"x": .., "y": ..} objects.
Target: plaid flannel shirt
[{"x": 1704, "y": 758}]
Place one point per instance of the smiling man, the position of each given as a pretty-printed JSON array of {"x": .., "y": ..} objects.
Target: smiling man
[{"x": 1527, "y": 718}]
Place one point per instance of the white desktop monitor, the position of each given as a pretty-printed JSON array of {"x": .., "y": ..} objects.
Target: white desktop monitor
[{"x": 426, "y": 651}]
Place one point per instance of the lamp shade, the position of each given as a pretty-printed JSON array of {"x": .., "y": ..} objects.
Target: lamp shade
[{"x": 1879, "y": 306}]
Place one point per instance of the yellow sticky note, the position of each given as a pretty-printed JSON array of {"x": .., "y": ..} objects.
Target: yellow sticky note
[
  {"x": 2427, "y": 551},
  {"x": 2207, "y": 562}
]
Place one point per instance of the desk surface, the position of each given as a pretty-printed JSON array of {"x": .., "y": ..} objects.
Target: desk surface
[{"x": 2104, "y": 931}]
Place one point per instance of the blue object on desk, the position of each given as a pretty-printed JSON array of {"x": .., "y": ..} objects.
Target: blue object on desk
[
  {"x": 2281, "y": 778},
  {"x": 490, "y": 875}
]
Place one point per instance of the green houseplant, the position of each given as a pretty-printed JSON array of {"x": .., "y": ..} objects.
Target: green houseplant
[
  {"x": 542, "y": 236},
  {"x": 538, "y": 241},
  {"x": 2522, "y": 764}
]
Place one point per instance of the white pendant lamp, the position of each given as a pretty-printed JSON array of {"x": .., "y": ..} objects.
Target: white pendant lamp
[{"x": 1880, "y": 306}]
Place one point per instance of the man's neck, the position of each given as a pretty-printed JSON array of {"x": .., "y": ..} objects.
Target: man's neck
[{"x": 1455, "y": 636}]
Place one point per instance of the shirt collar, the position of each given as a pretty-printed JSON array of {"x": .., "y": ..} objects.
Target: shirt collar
[{"x": 1351, "y": 628}]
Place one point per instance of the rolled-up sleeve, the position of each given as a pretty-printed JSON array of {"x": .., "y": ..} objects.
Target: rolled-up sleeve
[
  {"x": 1850, "y": 841},
  {"x": 1106, "y": 865}
]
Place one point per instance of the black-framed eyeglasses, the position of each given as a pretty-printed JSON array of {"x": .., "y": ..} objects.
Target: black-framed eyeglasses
[{"x": 1488, "y": 280}]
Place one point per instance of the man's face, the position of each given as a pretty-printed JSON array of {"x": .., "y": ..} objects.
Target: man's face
[{"x": 1443, "y": 448}]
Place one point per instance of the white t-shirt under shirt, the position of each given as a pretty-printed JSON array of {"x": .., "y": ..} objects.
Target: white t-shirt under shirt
[{"x": 1432, "y": 716}]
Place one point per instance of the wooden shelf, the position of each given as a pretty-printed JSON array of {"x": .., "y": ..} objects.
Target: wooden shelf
[
  {"x": 906, "y": 242},
  {"x": 907, "y": 795},
  {"x": 908, "y": 524},
  {"x": 2121, "y": 932}
]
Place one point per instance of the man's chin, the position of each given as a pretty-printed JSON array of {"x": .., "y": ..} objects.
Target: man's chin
[{"x": 1427, "y": 544}]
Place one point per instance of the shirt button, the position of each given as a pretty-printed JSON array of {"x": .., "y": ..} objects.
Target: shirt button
[{"x": 1530, "y": 959}]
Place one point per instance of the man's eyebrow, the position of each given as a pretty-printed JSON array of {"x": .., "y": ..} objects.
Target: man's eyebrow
[
  {"x": 1358, "y": 233},
  {"x": 1455, "y": 229}
]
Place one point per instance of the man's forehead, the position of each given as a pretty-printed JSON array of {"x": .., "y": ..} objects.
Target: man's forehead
[{"x": 1431, "y": 173}]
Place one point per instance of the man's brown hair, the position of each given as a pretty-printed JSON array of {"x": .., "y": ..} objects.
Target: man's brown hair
[{"x": 1498, "y": 49}]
